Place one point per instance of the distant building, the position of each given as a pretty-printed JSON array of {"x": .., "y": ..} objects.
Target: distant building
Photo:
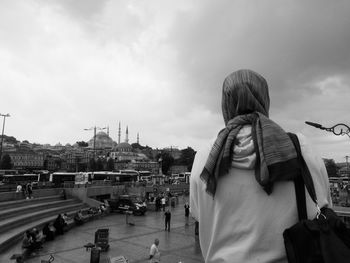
[
  {"x": 344, "y": 171},
  {"x": 27, "y": 160},
  {"x": 53, "y": 163},
  {"x": 153, "y": 167},
  {"x": 176, "y": 169},
  {"x": 78, "y": 159},
  {"x": 120, "y": 165}
]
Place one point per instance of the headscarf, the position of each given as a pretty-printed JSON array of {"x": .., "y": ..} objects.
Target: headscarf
[{"x": 245, "y": 100}]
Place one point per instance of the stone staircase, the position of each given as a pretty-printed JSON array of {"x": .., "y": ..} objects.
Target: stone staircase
[{"x": 18, "y": 216}]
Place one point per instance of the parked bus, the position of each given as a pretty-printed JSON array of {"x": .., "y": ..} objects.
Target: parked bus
[
  {"x": 44, "y": 175},
  {"x": 128, "y": 176},
  {"x": 58, "y": 178},
  {"x": 8, "y": 172},
  {"x": 145, "y": 176},
  {"x": 106, "y": 176},
  {"x": 14, "y": 179},
  {"x": 182, "y": 177},
  {"x": 82, "y": 178},
  {"x": 4, "y": 171}
]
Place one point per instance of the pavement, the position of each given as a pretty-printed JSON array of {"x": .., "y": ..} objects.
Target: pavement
[{"x": 132, "y": 242}]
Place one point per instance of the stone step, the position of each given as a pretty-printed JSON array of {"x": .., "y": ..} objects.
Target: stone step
[
  {"x": 25, "y": 202},
  {"x": 15, "y": 234},
  {"x": 32, "y": 207},
  {"x": 19, "y": 220}
]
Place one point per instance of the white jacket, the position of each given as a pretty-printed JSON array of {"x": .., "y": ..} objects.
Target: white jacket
[{"x": 242, "y": 223}]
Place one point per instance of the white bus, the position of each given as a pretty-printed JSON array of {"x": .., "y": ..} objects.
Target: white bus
[{"x": 145, "y": 176}]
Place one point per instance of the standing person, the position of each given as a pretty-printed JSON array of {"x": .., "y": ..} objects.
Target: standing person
[
  {"x": 187, "y": 212},
  {"x": 167, "y": 215},
  {"x": 29, "y": 190},
  {"x": 154, "y": 254},
  {"x": 242, "y": 191},
  {"x": 158, "y": 203},
  {"x": 24, "y": 190},
  {"x": 163, "y": 202}
]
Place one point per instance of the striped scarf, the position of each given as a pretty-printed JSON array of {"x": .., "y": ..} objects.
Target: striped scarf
[{"x": 276, "y": 158}]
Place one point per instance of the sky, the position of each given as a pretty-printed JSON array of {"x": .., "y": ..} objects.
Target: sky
[{"x": 157, "y": 66}]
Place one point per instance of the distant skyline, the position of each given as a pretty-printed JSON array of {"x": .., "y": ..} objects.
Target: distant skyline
[{"x": 158, "y": 67}]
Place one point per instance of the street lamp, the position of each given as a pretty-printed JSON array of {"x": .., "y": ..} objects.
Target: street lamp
[
  {"x": 2, "y": 134},
  {"x": 338, "y": 129}
]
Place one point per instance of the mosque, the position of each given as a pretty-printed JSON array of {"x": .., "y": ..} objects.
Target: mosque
[{"x": 119, "y": 151}]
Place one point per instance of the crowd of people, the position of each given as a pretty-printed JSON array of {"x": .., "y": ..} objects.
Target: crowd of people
[
  {"x": 34, "y": 239},
  {"x": 161, "y": 200}
]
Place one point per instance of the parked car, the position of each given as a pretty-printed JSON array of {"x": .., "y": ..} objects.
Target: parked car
[{"x": 127, "y": 203}]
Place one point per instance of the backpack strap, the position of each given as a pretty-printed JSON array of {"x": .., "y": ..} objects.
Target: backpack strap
[
  {"x": 300, "y": 196},
  {"x": 304, "y": 179}
]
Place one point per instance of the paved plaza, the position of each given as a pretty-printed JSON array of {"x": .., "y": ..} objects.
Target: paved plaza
[{"x": 133, "y": 242}]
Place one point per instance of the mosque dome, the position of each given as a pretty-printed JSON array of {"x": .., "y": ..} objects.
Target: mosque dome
[
  {"x": 124, "y": 147},
  {"x": 102, "y": 141}
]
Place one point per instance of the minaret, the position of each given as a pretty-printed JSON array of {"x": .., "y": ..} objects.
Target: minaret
[
  {"x": 119, "y": 133},
  {"x": 127, "y": 135},
  {"x": 138, "y": 138}
]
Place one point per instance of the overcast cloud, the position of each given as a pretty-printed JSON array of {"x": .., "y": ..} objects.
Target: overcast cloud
[{"x": 158, "y": 66}]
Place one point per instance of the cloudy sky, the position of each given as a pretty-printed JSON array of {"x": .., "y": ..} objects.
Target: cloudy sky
[{"x": 158, "y": 67}]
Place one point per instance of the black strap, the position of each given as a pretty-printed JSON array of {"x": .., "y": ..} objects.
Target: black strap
[
  {"x": 300, "y": 196},
  {"x": 304, "y": 179}
]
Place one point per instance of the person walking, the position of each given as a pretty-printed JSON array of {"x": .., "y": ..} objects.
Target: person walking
[
  {"x": 154, "y": 254},
  {"x": 187, "y": 212},
  {"x": 241, "y": 189},
  {"x": 167, "y": 215}
]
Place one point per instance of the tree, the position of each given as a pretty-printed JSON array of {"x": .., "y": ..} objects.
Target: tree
[
  {"x": 6, "y": 162},
  {"x": 187, "y": 157},
  {"x": 82, "y": 144},
  {"x": 167, "y": 161},
  {"x": 332, "y": 169}
]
